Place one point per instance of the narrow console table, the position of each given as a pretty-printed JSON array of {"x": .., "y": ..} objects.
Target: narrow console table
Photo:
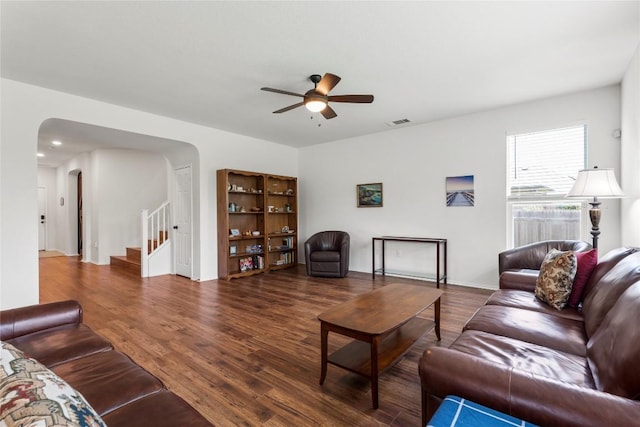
[{"x": 441, "y": 253}]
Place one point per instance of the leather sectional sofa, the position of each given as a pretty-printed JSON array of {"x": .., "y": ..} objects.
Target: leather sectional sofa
[
  {"x": 121, "y": 392},
  {"x": 551, "y": 367}
]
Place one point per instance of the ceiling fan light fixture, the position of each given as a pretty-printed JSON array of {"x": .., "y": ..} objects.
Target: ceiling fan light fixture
[{"x": 315, "y": 105}]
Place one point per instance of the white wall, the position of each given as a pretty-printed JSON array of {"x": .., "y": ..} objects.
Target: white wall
[
  {"x": 24, "y": 107},
  {"x": 413, "y": 162},
  {"x": 127, "y": 181},
  {"x": 630, "y": 168}
]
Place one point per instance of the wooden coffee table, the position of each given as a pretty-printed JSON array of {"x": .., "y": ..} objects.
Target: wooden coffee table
[{"x": 384, "y": 324}]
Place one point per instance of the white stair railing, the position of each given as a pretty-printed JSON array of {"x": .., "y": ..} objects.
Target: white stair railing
[{"x": 155, "y": 233}]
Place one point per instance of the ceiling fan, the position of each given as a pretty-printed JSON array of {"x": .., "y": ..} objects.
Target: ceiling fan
[{"x": 318, "y": 98}]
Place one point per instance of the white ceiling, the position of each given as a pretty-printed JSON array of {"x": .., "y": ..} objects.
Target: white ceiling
[{"x": 204, "y": 62}]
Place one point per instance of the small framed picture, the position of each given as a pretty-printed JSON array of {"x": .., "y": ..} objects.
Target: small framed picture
[
  {"x": 369, "y": 195},
  {"x": 234, "y": 232},
  {"x": 233, "y": 250}
]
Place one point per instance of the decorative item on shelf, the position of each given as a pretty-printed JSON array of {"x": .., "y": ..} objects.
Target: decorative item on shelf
[
  {"x": 285, "y": 229},
  {"x": 596, "y": 183},
  {"x": 232, "y": 207},
  {"x": 270, "y": 208},
  {"x": 289, "y": 192},
  {"x": 252, "y": 249},
  {"x": 255, "y": 233},
  {"x": 234, "y": 232},
  {"x": 246, "y": 264},
  {"x": 247, "y": 233},
  {"x": 234, "y": 187},
  {"x": 287, "y": 207},
  {"x": 229, "y": 187},
  {"x": 240, "y": 189},
  {"x": 240, "y": 209},
  {"x": 256, "y": 209},
  {"x": 233, "y": 250}
]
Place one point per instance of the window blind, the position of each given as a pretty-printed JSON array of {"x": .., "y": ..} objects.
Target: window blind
[{"x": 545, "y": 164}]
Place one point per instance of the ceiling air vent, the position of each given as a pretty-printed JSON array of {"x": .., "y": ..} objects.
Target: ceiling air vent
[{"x": 398, "y": 122}]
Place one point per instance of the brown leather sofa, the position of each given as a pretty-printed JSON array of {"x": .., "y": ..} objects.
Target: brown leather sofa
[
  {"x": 327, "y": 254},
  {"x": 549, "y": 367},
  {"x": 119, "y": 390},
  {"x": 519, "y": 267}
]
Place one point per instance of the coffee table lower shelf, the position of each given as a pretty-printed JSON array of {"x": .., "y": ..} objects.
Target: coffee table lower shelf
[{"x": 356, "y": 356}]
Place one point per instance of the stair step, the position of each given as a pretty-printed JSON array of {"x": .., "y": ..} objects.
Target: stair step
[
  {"x": 134, "y": 253},
  {"x": 125, "y": 263}
]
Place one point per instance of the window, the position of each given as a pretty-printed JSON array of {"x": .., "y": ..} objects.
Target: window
[{"x": 542, "y": 168}]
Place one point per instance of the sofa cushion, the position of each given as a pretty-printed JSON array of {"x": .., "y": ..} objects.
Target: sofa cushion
[
  {"x": 587, "y": 262},
  {"x": 527, "y": 357},
  {"x": 325, "y": 256},
  {"x": 556, "y": 278},
  {"x": 32, "y": 395},
  {"x": 556, "y": 332},
  {"x": 159, "y": 409},
  {"x": 613, "y": 351},
  {"x": 606, "y": 263},
  {"x": 108, "y": 379},
  {"x": 527, "y": 301},
  {"x": 606, "y": 292},
  {"x": 61, "y": 344}
]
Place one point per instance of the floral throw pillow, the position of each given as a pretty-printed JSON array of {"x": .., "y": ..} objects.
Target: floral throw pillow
[
  {"x": 555, "y": 280},
  {"x": 33, "y": 396}
]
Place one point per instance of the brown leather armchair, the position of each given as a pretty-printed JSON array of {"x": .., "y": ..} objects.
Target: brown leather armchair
[
  {"x": 327, "y": 254},
  {"x": 519, "y": 267}
]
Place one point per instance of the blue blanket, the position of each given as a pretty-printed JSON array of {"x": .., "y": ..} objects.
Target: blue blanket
[{"x": 457, "y": 412}]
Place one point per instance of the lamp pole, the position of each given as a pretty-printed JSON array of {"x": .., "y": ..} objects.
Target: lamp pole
[{"x": 594, "y": 215}]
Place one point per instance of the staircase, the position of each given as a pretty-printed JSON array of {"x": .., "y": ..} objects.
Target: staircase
[
  {"x": 133, "y": 260},
  {"x": 156, "y": 259}
]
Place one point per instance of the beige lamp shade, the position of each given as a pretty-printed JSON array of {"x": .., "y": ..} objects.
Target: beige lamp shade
[{"x": 596, "y": 183}]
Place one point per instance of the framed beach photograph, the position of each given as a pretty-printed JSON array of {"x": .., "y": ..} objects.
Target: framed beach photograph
[
  {"x": 234, "y": 232},
  {"x": 369, "y": 195}
]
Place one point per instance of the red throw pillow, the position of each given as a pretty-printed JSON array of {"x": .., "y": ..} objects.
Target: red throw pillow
[{"x": 586, "y": 263}]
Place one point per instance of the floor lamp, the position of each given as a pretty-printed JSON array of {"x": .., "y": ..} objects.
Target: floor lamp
[{"x": 596, "y": 183}]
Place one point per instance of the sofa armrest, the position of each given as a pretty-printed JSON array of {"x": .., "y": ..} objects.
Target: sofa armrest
[
  {"x": 534, "y": 398},
  {"x": 520, "y": 280},
  {"x": 26, "y": 320},
  {"x": 444, "y": 372},
  {"x": 545, "y": 401}
]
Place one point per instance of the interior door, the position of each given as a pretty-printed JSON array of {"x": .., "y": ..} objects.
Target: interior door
[
  {"x": 182, "y": 222},
  {"x": 42, "y": 219}
]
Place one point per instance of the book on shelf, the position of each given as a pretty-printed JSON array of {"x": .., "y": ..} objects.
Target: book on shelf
[{"x": 246, "y": 264}]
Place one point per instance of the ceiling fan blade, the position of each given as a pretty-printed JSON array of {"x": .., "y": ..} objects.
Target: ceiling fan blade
[
  {"x": 360, "y": 99},
  {"x": 328, "y": 82},
  {"x": 284, "y": 92},
  {"x": 328, "y": 113},
  {"x": 290, "y": 107}
]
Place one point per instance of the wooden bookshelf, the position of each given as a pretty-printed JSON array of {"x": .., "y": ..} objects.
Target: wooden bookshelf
[{"x": 257, "y": 222}]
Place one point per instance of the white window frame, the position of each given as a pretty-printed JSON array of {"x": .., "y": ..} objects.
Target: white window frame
[{"x": 514, "y": 201}]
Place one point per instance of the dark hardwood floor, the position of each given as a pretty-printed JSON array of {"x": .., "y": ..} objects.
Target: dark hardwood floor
[{"x": 247, "y": 352}]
